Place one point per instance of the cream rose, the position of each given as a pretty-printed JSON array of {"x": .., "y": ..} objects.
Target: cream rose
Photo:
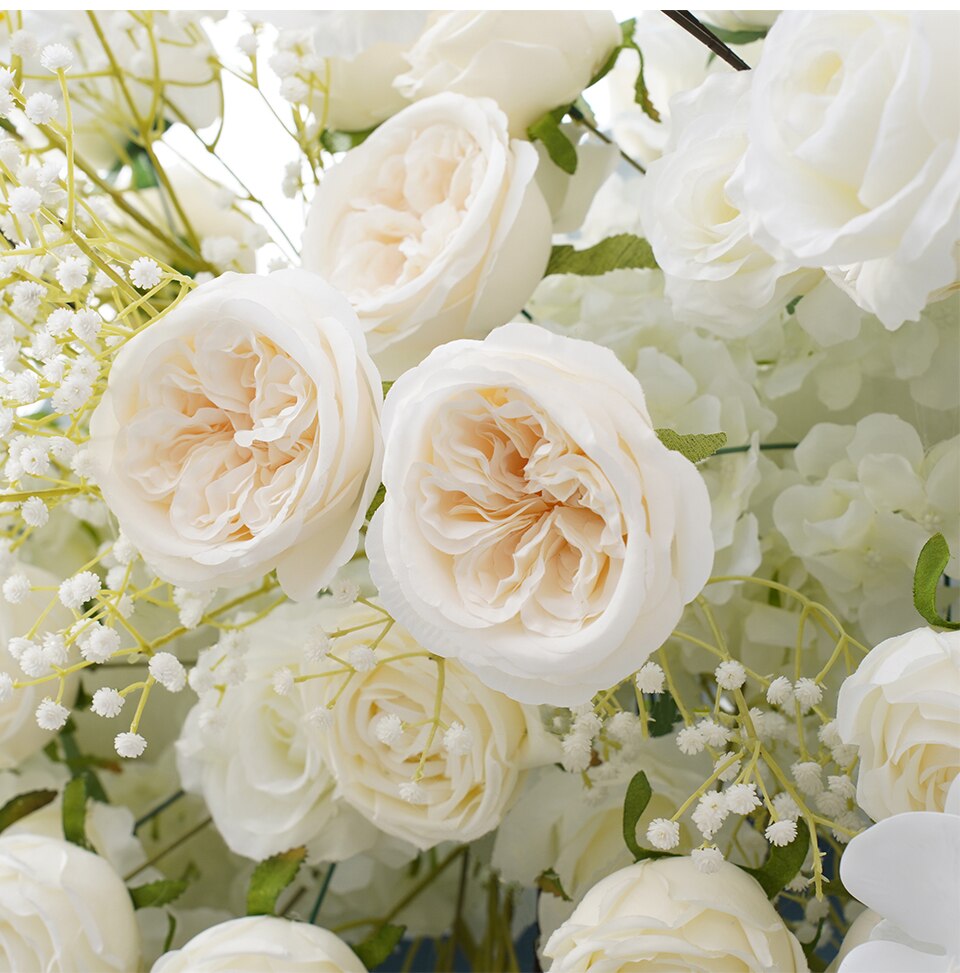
[
  {"x": 434, "y": 227},
  {"x": 534, "y": 525},
  {"x": 717, "y": 275},
  {"x": 262, "y": 944},
  {"x": 901, "y": 709},
  {"x": 258, "y": 760},
  {"x": 240, "y": 433},
  {"x": 666, "y": 914},
  {"x": 20, "y": 735},
  {"x": 854, "y": 156},
  {"x": 476, "y": 756},
  {"x": 63, "y": 909},
  {"x": 529, "y": 62}
]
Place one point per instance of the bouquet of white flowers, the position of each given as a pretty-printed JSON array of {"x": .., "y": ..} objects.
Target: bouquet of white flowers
[{"x": 550, "y": 561}]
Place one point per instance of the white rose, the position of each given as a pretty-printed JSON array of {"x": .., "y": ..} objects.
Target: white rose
[
  {"x": 901, "y": 708},
  {"x": 467, "y": 783},
  {"x": 739, "y": 20},
  {"x": 529, "y": 62},
  {"x": 262, "y": 944},
  {"x": 854, "y": 157},
  {"x": 360, "y": 92},
  {"x": 434, "y": 227},
  {"x": 239, "y": 433},
  {"x": 667, "y": 914},
  {"x": 20, "y": 735},
  {"x": 717, "y": 275},
  {"x": 260, "y": 764},
  {"x": 534, "y": 525},
  {"x": 63, "y": 909}
]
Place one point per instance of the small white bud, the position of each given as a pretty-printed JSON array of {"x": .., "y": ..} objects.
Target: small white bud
[
  {"x": 650, "y": 678},
  {"x": 107, "y": 702},
  {"x": 781, "y": 833},
  {"x": 730, "y": 674},
  {"x": 129, "y": 744},
  {"x": 707, "y": 860},
  {"x": 663, "y": 833},
  {"x": 51, "y": 715}
]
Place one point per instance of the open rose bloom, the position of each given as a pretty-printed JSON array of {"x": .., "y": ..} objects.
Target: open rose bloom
[{"x": 480, "y": 490}]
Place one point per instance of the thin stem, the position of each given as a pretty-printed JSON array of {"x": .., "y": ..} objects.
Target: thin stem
[
  {"x": 693, "y": 26},
  {"x": 324, "y": 885},
  {"x": 581, "y": 119}
]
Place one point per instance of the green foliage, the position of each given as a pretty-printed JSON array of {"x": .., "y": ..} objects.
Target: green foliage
[
  {"x": 75, "y": 812},
  {"x": 549, "y": 881},
  {"x": 80, "y": 764},
  {"x": 270, "y": 878},
  {"x": 663, "y": 713},
  {"x": 782, "y": 863},
  {"x": 23, "y": 804},
  {"x": 334, "y": 140},
  {"x": 737, "y": 36},
  {"x": 161, "y": 892},
  {"x": 378, "y": 946},
  {"x": 634, "y": 804},
  {"x": 378, "y": 499},
  {"x": 623, "y": 251},
  {"x": 696, "y": 446},
  {"x": 561, "y": 150},
  {"x": 926, "y": 579}
]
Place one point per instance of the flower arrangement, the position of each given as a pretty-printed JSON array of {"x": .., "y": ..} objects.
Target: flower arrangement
[{"x": 550, "y": 561}]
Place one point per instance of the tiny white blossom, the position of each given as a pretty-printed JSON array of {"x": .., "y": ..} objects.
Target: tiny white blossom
[
  {"x": 60, "y": 321},
  {"x": 283, "y": 681},
  {"x": 55, "y": 649},
  {"x": 317, "y": 646},
  {"x": 780, "y": 692},
  {"x": 808, "y": 694},
  {"x": 233, "y": 671},
  {"x": 7, "y": 105},
  {"x": 86, "y": 324},
  {"x": 145, "y": 273},
  {"x": 650, "y": 678},
  {"x": 129, "y": 744},
  {"x": 841, "y": 785},
  {"x": 320, "y": 718},
  {"x": 816, "y": 909},
  {"x": 24, "y": 43},
  {"x": 24, "y": 201},
  {"x": 344, "y": 592},
  {"x": 211, "y": 722},
  {"x": 18, "y": 645},
  {"x": 730, "y": 773},
  {"x": 707, "y": 860},
  {"x": 844, "y": 754},
  {"x": 16, "y": 588},
  {"x": 710, "y": 813},
  {"x": 742, "y": 798},
  {"x": 7, "y": 79},
  {"x": 798, "y": 883},
  {"x": 98, "y": 643},
  {"x": 690, "y": 741},
  {"x": 201, "y": 680},
  {"x": 167, "y": 669},
  {"x": 588, "y": 724},
  {"x": 362, "y": 658},
  {"x": 829, "y": 804},
  {"x": 623, "y": 727},
  {"x": 75, "y": 591},
  {"x": 388, "y": 729},
  {"x": 786, "y": 807},
  {"x": 56, "y": 57},
  {"x": 72, "y": 273},
  {"x": 247, "y": 44},
  {"x": 294, "y": 89},
  {"x": 51, "y": 715},
  {"x": 663, "y": 833},
  {"x": 34, "y": 512},
  {"x": 107, "y": 702},
  {"x": 712, "y": 733},
  {"x": 457, "y": 740},
  {"x": 33, "y": 662},
  {"x": 123, "y": 551},
  {"x": 781, "y": 833},
  {"x": 41, "y": 107},
  {"x": 220, "y": 251},
  {"x": 577, "y": 753},
  {"x": 412, "y": 792},
  {"x": 730, "y": 674},
  {"x": 6, "y": 687},
  {"x": 807, "y": 774},
  {"x": 829, "y": 734}
]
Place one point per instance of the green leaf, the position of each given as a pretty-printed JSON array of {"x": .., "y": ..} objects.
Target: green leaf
[
  {"x": 75, "y": 812},
  {"x": 640, "y": 93},
  {"x": 624, "y": 251},
  {"x": 634, "y": 804},
  {"x": 334, "y": 140},
  {"x": 161, "y": 892},
  {"x": 695, "y": 446},
  {"x": 378, "y": 499},
  {"x": 379, "y": 945},
  {"x": 270, "y": 878},
  {"x": 560, "y": 149},
  {"x": 926, "y": 579},
  {"x": 737, "y": 36},
  {"x": 23, "y": 804},
  {"x": 549, "y": 881},
  {"x": 782, "y": 863},
  {"x": 663, "y": 714}
]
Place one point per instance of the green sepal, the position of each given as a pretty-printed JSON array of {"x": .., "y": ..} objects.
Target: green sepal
[
  {"x": 931, "y": 564},
  {"x": 549, "y": 881}
]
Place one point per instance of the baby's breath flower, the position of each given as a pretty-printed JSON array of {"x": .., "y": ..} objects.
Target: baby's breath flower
[
  {"x": 344, "y": 592},
  {"x": 33, "y": 662},
  {"x": 786, "y": 807},
  {"x": 145, "y": 273},
  {"x": 650, "y": 678},
  {"x": 708, "y": 860},
  {"x": 690, "y": 741},
  {"x": 247, "y": 44},
  {"x": 107, "y": 702},
  {"x": 388, "y": 729},
  {"x": 808, "y": 694},
  {"x": 55, "y": 649},
  {"x": 75, "y": 591},
  {"x": 712, "y": 733},
  {"x": 710, "y": 813},
  {"x": 16, "y": 588},
  {"x": 457, "y": 740},
  {"x": 412, "y": 792},
  {"x": 24, "y": 201},
  {"x": 362, "y": 658},
  {"x": 24, "y": 43},
  {"x": 167, "y": 669},
  {"x": 72, "y": 273},
  {"x": 51, "y": 715},
  {"x": 317, "y": 646},
  {"x": 730, "y": 674},
  {"x": 830, "y": 804},
  {"x": 663, "y": 833},
  {"x": 98, "y": 643},
  {"x": 320, "y": 718},
  {"x": 623, "y": 727},
  {"x": 807, "y": 774},
  {"x": 34, "y": 512},
  {"x": 41, "y": 108},
  {"x": 742, "y": 798},
  {"x": 730, "y": 773},
  {"x": 56, "y": 57},
  {"x": 577, "y": 753},
  {"x": 6, "y": 687},
  {"x": 841, "y": 785},
  {"x": 780, "y": 691},
  {"x": 781, "y": 833},
  {"x": 129, "y": 744}
]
